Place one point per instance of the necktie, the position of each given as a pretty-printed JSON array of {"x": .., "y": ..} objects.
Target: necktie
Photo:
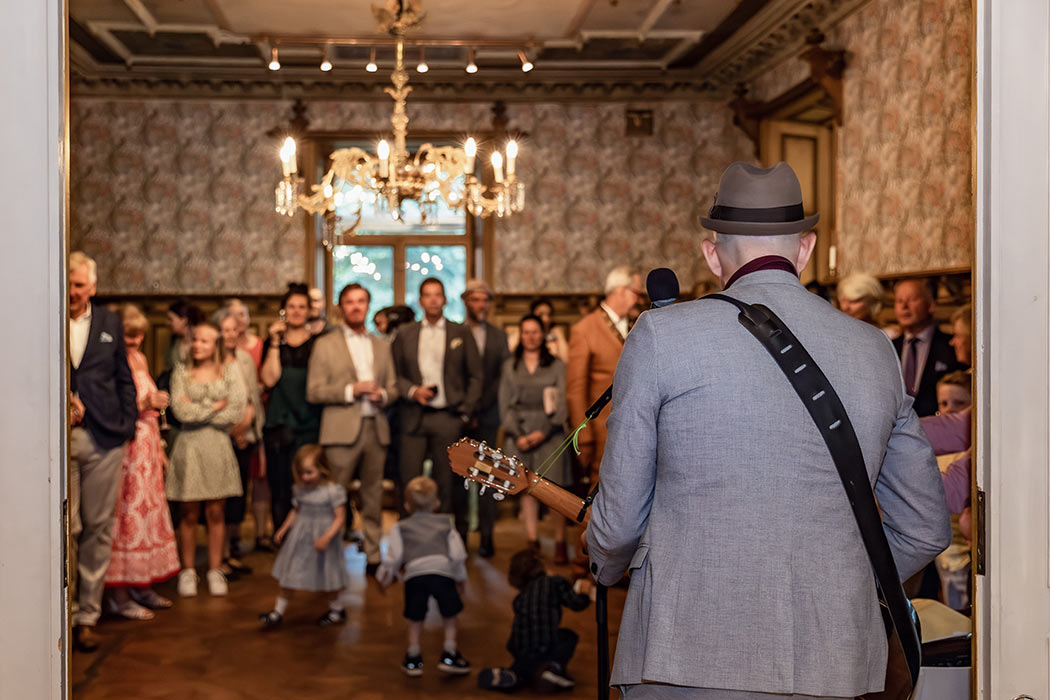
[{"x": 910, "y": 368}]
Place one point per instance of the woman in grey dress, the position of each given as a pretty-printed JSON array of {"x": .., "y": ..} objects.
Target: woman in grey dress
[
  {"x": 208, "y": 398},
  {"x": 532, "y": 407}
]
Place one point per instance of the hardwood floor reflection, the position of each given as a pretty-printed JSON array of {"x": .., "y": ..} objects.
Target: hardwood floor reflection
[{"x": 214, "y": 648}]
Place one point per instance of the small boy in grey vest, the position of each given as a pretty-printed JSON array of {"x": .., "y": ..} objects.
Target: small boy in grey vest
[{"x": 428, "y": 554}]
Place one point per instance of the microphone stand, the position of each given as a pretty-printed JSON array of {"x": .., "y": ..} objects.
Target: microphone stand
[{"x": 601, "y": 593}]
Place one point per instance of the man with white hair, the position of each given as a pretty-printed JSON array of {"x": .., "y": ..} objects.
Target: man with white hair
[
  {"x": 102, "y": 414},
  {"x": 749, "y": 576},
  {"x": 595, "y": 343}
]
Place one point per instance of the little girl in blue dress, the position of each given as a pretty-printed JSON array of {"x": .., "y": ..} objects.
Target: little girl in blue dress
[{"x": 311, "y": 556}]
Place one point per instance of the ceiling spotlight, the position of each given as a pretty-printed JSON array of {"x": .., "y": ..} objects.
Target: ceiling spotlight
[
  {"x": 526, "y": 64},
  {"x": 326, "y": 61},
  {"x": 274, "y": 63},
  {"x": 372, "y": 67},
  {"x": 422, "y": 67},
  {"x": 471, "y": 66}
]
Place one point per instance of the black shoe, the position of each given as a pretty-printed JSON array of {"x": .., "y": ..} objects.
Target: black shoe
[
  {"x": 271, "y": 619},
  {"x": 453, "y": 663},
  {"x": 497, "y": 678},
  {"x": 486, "y": 550},
  {"x": 84, "y": 639},
  {"x": 264, "y": 544},
  {"x": 554, "y": 677},
  {"x": 413, "y": 665},
  {"x": 371, "y": 569},
  {"x": 332, "y": 618},
  {"x": 237, "y": 566}
]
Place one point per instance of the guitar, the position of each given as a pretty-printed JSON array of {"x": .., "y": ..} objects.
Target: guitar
[{"x": 507, "y": 475}]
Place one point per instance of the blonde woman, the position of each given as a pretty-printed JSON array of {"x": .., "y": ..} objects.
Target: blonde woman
[
  {"x": 208, "y": 398},
  {"x": 144, "y": 549},
  {"x": 860, "y": 296}
]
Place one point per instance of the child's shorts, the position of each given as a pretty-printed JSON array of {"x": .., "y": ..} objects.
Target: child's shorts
[{"x": 419, "y": 589}]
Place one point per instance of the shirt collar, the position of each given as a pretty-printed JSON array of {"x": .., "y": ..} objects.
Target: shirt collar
[
  {"x": 766, "y": 262},
  {"x": 84, "y": 317},
  {"x": 925, "y": 335},
  {"x": 351, "y": 333},
  {"x": 439, "y": 326},
  {"x": 612, "y": 314}
]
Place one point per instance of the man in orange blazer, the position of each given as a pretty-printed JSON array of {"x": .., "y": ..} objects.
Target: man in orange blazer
[{"x": 595, "y": 342}]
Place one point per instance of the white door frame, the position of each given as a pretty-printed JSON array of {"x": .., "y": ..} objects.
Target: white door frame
[
  {"x": 33, "y": 141},
  {"x": 1013, "y": 345}
]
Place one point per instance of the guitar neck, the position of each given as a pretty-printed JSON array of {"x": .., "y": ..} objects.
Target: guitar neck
[{"x": 556, "y": 498}]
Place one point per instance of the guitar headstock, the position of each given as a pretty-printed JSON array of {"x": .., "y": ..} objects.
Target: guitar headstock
[{"x": 478, "y": 462}]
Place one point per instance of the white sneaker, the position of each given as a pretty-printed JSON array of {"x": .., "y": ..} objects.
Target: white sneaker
[
  {"x": 217, "y": 583},
  {"x": 187, "y": 583}
]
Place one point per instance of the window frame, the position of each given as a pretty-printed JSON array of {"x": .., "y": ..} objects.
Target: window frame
[{"x": 477, "y": 238}]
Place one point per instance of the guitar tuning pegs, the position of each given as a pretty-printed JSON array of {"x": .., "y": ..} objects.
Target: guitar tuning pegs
[
  {"x": 506, "y": 484},
  {"x": 482, "y": 490},
  {"x": 466, "y": 484},
  {"x": 497, "y": 496}
]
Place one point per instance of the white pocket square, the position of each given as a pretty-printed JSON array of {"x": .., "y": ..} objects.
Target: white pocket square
[
  {"x": 456, "y": 342},
  {"x": 105, "y": 337},
  {"x": 940, "y": 367}
]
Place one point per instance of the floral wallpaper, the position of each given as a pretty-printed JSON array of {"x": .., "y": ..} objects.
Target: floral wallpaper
[
  {"x": 177, "y": 197},
  {"x": 904, "y": 175}
]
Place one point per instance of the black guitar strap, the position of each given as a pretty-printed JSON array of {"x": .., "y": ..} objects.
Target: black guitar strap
[{"x": 831, "y": 419}]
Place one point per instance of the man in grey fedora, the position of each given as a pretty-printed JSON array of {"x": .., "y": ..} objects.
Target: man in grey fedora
[{"x": 719, "y": 495}]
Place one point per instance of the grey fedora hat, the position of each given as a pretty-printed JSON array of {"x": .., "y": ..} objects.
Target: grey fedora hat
[{"x": 754, "y": 201}]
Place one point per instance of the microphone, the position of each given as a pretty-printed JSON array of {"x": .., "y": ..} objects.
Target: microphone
[{"x": 662, "y": 287}]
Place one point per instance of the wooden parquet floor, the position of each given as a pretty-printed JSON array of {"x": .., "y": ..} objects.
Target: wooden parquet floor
[{"x": 214, "y": 648}]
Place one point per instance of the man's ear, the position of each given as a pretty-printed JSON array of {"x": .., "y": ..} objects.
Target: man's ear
[
  {"x": 711, "y": 255},
  {"x": 807, "y": 243}
]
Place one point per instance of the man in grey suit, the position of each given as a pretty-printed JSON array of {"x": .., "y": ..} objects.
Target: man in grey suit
[
  {"x": 351, "y": 373},
  {"x": 748, "y": 575},
  {"x": 492, "y": 346},
  {"x": 439, "y": 381}
]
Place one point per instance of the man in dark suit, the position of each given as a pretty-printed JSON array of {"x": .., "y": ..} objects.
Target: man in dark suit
[
  {"x": 924, "y": 350},
  {"x": 102, "y": 412},
  {"x": 492, "y": 345},
  {"x": 439, "y": 381}
]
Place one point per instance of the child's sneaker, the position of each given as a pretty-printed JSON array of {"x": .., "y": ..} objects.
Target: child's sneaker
[
  {"x": 555, "y": 677},
  {"x": 271, "y": 619},
  {"x": 217, "y": 583},
  {"x": 187, "y": 585},
  {"x": 413, "y": 665},
  {"x": 453, "y": 663},
  {"x": 332, "y": 618},
  {"x": 497, "y": 679}
]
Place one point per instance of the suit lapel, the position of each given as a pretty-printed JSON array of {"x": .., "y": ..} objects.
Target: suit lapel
[
  {"x": 344, "y": 353},
  {"x": 606, "y": 322},
  {"x": 93, "y": 334},
  {"x": 378, "y": 366}
]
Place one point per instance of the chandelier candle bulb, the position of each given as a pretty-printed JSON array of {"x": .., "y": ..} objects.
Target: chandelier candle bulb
[
  {"x": 470, "y": 150},
  {"x": 288, "y": 157},
  {"x": 512, "y": 155},
  {"x": 383, "y": 151},
  {"x": 497, "y": 166}
]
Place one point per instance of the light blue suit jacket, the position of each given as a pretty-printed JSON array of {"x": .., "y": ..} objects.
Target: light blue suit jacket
[{"x": 719, "y": 494}]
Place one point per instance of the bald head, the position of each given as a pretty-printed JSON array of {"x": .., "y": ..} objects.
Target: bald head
[{"x": 727, "y": 253}]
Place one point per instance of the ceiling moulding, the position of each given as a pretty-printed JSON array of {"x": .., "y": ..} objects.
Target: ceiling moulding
[
  {"x": 579, "y": 89},
  {"x": 776, "y": 32}
]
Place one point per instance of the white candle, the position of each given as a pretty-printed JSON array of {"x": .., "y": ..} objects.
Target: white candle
[
  {"x": 384, "y": 158},
  {"x": 512, "y": 154},
  {"x": 470, "y": 149},
  {"x": 288, "y": 156},
  {"x": 497, "y": 166}
]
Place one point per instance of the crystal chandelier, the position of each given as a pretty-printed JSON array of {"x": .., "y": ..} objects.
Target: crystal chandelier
[{"x": 391, "y": 176}]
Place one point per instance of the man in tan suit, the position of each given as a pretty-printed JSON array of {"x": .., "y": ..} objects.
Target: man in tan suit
[
  {"x": 595, "y": 343},
  {"x": 351, "y": 373}
]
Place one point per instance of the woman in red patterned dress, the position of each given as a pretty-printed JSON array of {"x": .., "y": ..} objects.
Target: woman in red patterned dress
[{"x": 144, "y": 549}]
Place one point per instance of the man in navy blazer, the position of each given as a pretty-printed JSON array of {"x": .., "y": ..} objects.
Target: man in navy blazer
[
  {"x": 924, "y": 350},
  {"x": 102, "y": 412}
]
